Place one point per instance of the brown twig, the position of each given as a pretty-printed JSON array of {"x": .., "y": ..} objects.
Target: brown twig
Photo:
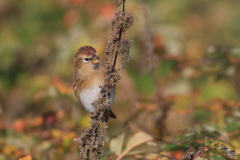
[
  {"x": 88, "y": 151},
  {"x": 119, "y": 38}
]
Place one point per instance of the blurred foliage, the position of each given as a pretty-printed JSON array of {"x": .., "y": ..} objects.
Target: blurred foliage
[
  {"x": 218, "y": 146},
  {"x": 188, "y": 90}
]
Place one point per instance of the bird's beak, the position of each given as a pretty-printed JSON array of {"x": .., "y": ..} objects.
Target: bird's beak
[{"x": 95, "y": 61}]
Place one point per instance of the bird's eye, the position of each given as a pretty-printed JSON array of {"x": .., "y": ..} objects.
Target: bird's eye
[{"x": 86, "y": 59}]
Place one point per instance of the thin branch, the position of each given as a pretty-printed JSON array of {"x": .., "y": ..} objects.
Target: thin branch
[
  {"x": 88, "y": 151},
  {"x": 118, "y": 39}
]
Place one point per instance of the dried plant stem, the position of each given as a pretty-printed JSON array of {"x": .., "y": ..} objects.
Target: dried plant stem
[
  {"x": 88, "y": 152},
  {"x": 118, "y": 39},
  {"x": 90, "y": 139}
]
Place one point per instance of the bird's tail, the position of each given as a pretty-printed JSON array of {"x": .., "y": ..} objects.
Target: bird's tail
[
  {"x": 111, "y": 114},
  {"x": 108, "y": 113}
]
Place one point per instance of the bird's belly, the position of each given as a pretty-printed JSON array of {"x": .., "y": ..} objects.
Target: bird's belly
[{"x": 88, "y": 96}]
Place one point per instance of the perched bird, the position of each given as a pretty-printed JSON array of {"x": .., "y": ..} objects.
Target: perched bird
[{"x": 88, "y": 77}]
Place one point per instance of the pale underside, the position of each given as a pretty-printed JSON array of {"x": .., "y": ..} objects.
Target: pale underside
[{"x": 91, "y": 94}]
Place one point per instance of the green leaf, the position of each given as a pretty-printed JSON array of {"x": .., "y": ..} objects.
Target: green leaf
[
  {"x": 223, "y": 149},
  {"x": 171, "y": 147},
  {"x": 232, "y": 126},
  {"x": 208, "y": 141}
]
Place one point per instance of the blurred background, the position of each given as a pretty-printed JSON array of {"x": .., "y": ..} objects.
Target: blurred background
[{"x": 182, "y": 83}]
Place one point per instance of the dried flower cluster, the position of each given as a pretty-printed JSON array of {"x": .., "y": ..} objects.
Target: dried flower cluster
[
  {"x": 117, "y": 46},
  {"x": 91, "y": 139},
  {"x": 119, "y": 2},
  {"x": 189, "y": 154},
  {"x": 120, "y": 23},
  {"x": 120, "y": 48}
]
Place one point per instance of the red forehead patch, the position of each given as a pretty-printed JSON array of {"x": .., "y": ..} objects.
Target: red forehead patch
[{"x": 87, "y": 50}]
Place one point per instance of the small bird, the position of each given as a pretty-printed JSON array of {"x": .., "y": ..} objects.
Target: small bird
[{"x": 87, "y": 79}]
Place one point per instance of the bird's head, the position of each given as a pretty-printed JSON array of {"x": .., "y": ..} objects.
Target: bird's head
[{"x": 86, "y": 59}]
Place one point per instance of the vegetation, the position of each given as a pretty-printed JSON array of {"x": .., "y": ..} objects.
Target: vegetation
[{"x": 181, "y": 86}]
